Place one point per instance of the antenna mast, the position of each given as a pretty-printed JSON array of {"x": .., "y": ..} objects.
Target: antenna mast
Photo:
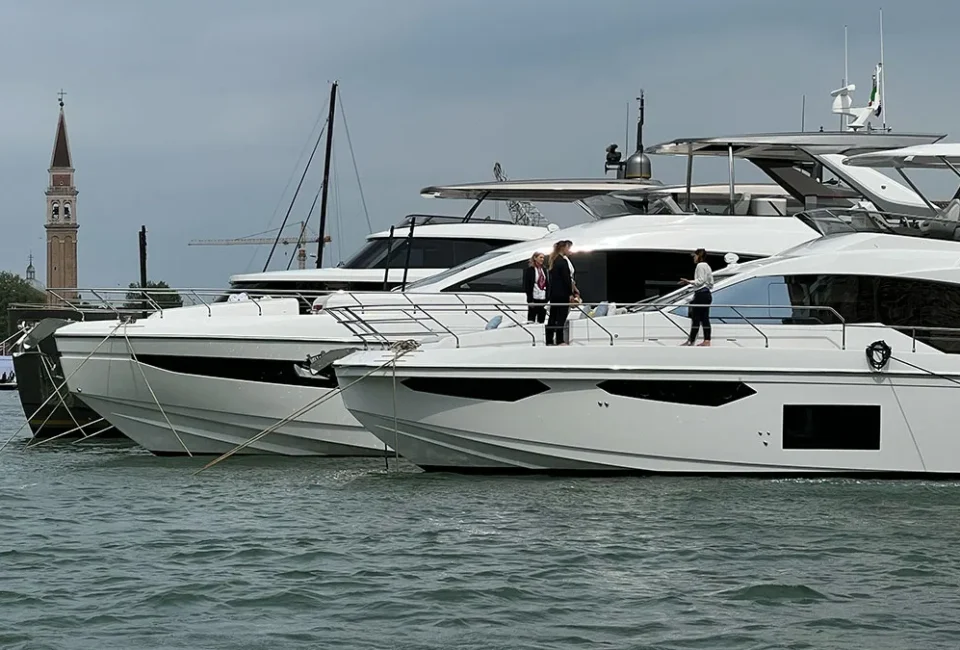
[
  {"x": 640, "y": 123},
  {"x": 846, "y": 71},
  {"x": 626, "y": 130}
]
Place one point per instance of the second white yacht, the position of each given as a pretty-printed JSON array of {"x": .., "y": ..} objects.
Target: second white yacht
[{"x": 836, "y": 357}]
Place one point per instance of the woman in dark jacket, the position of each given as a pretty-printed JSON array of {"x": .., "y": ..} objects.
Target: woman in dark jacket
[
  {"x": 535, "y": 286},
  {"x": 562, "y": 290}
]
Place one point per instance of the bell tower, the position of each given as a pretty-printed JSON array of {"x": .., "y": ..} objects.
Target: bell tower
[{"x": 61, "y": 221}]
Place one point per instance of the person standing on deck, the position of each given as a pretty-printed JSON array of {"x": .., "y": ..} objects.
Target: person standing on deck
[
  {"x": 535, "y": 287},
  {"x": 702, "y": 298},
  {"x": 562, "y": 291}
]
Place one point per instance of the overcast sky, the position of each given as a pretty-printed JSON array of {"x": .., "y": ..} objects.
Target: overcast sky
[{"x": 189, "y": 116}]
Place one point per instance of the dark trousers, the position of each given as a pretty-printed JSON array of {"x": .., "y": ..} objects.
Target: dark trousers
[
  {"x": 556, "y": 324},
  {"x": 537, "y": 313},
  {"x": 700, "y": 314}
]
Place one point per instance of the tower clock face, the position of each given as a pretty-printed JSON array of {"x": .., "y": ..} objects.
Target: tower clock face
[{"x": 61, "y": 180}]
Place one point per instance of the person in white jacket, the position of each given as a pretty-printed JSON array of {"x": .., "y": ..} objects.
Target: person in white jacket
[{"x": 702, "y": 298}]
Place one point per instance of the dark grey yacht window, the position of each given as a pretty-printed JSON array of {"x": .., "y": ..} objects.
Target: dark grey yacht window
[
  {"x": 926, "y": 309},
  {"x": 425, "y": 252},
  {"x": 449, "y": 273},
  {"x": 621, "y": 276},
  {"x": 506, "y": 279},
  {"x": 831, "y": 426}
]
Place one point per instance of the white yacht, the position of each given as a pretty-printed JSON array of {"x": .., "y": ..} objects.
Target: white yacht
[
  {"x": 838, "y": 356},
  {"x": 209, "y": 386}
]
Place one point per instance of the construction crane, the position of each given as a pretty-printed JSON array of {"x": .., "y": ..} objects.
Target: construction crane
[
  {"x": 524, "y": 213},
  {"x": 305, "y": 236}
]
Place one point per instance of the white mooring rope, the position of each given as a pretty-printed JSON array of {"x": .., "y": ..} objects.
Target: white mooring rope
[
  {"x": 399, "y": 349},
  {"x": 133, "y": 355},
  {"x": 40, "y": 408}
]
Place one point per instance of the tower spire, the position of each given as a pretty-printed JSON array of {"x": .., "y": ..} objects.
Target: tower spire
[{"x": 61, "y": 157}]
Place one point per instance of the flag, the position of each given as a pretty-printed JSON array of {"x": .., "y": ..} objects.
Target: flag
[{"x": 875, "y": 93}]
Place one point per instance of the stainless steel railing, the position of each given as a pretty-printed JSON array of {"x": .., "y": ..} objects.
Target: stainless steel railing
[{"x": 123, "y": 301}]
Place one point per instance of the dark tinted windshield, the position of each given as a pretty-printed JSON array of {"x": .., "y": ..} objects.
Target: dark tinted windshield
[{"x": 424, "y": 252}]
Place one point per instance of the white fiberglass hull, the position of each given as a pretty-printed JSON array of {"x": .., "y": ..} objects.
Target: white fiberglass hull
[
  {"x": 190, "y": 369},
  {"x": 572, "y": 425},
  {"x": 211, "y": 415}
]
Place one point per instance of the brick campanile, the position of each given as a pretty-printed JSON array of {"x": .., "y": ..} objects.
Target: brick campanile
[{"x": 61, "y": 221}]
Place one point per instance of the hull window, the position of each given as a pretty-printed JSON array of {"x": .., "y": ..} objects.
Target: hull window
[
  {"x": 264, "y": 371},
  {"x": 479, "y": 388},
  {"x": 694, "y": 393},
  {"x": 831, "y": 426}
]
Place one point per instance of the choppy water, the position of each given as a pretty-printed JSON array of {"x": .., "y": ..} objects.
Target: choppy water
[{"x": 103, "y": 546}]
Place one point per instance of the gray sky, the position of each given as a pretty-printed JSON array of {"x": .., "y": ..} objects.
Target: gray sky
[{"x": 188, "y": 116}]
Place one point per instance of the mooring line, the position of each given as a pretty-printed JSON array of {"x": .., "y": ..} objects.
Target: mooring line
[
  {"x": 92, "y": 435},
  {"x": 396, "y": 435},
  {"x": 136, "y": 362},
  {"x": 79, "y": 428},
  {"x": 399, "y": 349},
  {"x": 40, "y": 408}
]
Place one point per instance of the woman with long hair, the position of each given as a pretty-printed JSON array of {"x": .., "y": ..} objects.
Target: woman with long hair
[
  {"x": 562, "y": 292},
  {"x": 535, "y": 286},
  {"x": 702, "y": 298}
]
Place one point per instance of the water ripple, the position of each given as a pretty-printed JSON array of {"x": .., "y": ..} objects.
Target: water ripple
[{"x": 102, "y": 545}]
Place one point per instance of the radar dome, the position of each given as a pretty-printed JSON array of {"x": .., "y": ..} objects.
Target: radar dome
[{"x": 637, "y": 166}]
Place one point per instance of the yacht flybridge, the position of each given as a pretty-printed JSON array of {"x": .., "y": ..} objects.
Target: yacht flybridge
[
  {"x": 837, "y": 356},
  {"x": 942, "y": 155},
  {"x": 208, "y": 385},
  {"x": 417, "y": 247}
]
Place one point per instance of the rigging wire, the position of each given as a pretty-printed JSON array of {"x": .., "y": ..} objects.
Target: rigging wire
[
  {"x": 356, "y": 170},
  {"x": 336, "y": 198},
  {"x": 303, "y": 226},
  {"x": 294, "y": 199},
  {"x": 293, "y": 174}
]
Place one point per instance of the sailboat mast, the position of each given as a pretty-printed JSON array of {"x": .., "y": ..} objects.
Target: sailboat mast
[{"x": 326, "y": 175}]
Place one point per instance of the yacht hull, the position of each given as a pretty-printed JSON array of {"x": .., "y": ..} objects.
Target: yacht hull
[
  {"x": 53, "y": 416},
  {"x": 893, "y": 424},
  {"x": 212, "y": 415}
]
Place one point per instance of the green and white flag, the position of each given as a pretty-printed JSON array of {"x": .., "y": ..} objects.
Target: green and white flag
[{"x": 875, "y": 93}]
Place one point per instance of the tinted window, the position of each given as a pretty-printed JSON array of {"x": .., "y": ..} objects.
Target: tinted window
[
  {"x": 425, "y": 252},
  {"x": 507, "y": 279},
  {"x": 624, "y": 277},
  {"x": 831, "y": 426},
  {"x": 916, "y": 307},
  {"x": 449, "y": 273},
  {"x": 759, "y": 299}
]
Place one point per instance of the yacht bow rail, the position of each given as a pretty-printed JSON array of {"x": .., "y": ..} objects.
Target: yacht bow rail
[
  {"x": 384, "y": 324},
  {"x": 364, "y": 320},
  {"x": 127, "y": 302}
]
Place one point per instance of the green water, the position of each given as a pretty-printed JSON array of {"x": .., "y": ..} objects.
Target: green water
[{"x": 105, "y": 546}]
